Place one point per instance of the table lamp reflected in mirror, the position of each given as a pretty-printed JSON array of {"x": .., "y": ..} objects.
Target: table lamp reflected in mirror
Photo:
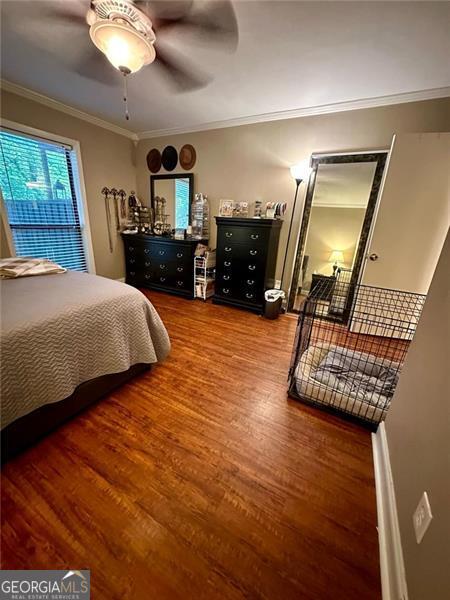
[{"x": 336, "y": 257}]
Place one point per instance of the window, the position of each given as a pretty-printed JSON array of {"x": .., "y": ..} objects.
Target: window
[
  {"x": 181, "y": 203},
  {"x": 38, "y": 179}
]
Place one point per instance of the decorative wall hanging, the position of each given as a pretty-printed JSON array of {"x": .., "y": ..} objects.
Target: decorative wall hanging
[
  {"x": 118, "y": 198},
  {"x": 188, "y": 156},
  {"x": 154, "y": 160},
  {"x": 169, "y": 158}
]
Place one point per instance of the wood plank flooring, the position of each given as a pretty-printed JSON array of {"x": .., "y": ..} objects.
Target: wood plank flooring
[{"x": 201, "y": 480}]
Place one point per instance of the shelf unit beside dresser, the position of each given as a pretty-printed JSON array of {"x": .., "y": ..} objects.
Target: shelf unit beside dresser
[
  {"x": 246, "y": 260},
  {"x": 160, "y": 263}
]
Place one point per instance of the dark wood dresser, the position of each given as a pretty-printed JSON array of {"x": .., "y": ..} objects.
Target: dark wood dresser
[
  {"x": 246, "y": 260},
  {"x": 160, "y": 263}
]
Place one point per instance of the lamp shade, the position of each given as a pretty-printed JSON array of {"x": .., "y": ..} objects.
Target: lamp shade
[
  {"x": 301, "y": 171},
  {"x": 336, "y": 257},
  {"x": 126, "y": 49}
]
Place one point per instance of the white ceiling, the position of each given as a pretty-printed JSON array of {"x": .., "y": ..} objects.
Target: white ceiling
[
  {"x": 291, "y": 55},
  {"x": 345, "y": 185}
]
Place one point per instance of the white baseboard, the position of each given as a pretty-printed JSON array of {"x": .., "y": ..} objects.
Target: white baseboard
[
  {"x": 121, "y": 279},
  {"x": 393, "y": 579}
]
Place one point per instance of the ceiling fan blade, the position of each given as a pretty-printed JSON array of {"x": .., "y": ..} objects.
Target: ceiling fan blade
[
  {"x": 182, "y": 78},
  {"x": 213, "y": 21},
  {"x": 94, "y": 65},
  {"x": 163, "y": 9},
  {"x": 68, "y": 13}
]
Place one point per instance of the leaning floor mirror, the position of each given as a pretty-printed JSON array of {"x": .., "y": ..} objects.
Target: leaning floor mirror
[{"x": 337, "y": 218}]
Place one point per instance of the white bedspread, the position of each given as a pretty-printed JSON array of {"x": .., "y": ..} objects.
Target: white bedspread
[{"x": 58, "y": 331}]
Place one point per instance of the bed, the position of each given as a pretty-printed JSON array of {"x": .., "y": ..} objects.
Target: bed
[
  {"x": 66, "y": 340},
  {"x": 355, "y": 382}
]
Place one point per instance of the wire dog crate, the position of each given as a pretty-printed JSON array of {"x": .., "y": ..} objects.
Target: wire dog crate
[{"x": 348, "y": 360}]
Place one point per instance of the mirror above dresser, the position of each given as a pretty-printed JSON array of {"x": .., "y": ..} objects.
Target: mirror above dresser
[{"x": 172, "y": 194}]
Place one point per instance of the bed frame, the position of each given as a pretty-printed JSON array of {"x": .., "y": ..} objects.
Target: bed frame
[{"x": 27, "y": 430}]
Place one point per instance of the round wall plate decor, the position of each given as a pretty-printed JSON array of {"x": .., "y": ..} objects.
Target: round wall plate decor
[
  {"x": 169, "y": 158},
  {"x": 188, "y": 156},
  {"x": 154, "y": 160}
]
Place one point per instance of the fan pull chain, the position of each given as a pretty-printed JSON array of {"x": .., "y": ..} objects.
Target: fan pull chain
[{"x": 125, "y": 96}]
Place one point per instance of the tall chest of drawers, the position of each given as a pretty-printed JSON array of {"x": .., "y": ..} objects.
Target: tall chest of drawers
[
  {"x": 246, "y": 260},
  {"x": 159, "y": 263}
]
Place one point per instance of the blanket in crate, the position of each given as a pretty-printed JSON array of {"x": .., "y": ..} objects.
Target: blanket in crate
[{"x": 356, "y": 373}]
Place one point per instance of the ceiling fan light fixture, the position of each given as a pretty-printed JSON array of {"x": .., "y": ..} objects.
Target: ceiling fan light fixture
[{"x": 127, "y": 49}]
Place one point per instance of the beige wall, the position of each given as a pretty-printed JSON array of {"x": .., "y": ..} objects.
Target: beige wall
[
  {"x": 331, "y": 229},
  {"x": 107, "y": 161},
  {"x": 252, "y": 161},
  {"x": 418, "y": 434},
  {"x": 243, "y": 163}
]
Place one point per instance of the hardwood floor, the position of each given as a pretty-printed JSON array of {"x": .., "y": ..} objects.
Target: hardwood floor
[{"x": 200, "y": 479}]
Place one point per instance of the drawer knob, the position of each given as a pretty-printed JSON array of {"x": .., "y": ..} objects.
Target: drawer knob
[
  {"x": 229, "y": 234},
  {"x": 132, "y": 260},
  {"x": 226, "y": 290},
  {"x": 250, "y": 281},
  {"x": 162, "y": 279},
  {"x": 180, "y": 269},
  {"x": 248, "y": 295},
  {"x": 162, "y": 266},
  {"x": 227, "y": 248},
  {"x": 252, "y": 267},
  {"x": 147, "y": 263},
  {"x": 253, "y": 252},
  {"x": 254, "y": 236},
  {"x": 147, "y": 276},
  {"x": 180, "y": 283},
  {"x": 161, "y": 252},
  {"x": 179, "y": 255},
  {"x": 132, "y": 273},
  {"x": 227, "y": 263},
  {"x": 146, "y": 250},
  {"x": 226, "y": 277},
  {"x": 131, "y": 248}
]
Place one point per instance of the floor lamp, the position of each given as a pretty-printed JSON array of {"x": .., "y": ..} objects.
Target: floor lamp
[{"x": 300, "y": 173}]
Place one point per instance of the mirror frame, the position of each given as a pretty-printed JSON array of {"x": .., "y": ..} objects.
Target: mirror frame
[
  {"x": 377, "y": 156},
  {"x": 189, "y": 176}
]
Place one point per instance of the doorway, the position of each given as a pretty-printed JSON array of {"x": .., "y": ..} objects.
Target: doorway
[{"x": 337, "y": 219}]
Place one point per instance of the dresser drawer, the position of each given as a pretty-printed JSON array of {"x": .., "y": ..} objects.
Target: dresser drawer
[
  {"x": 243, "y": 251},
  {"x": 255, "y": 236},
  {"x": 168, "y": 252}
]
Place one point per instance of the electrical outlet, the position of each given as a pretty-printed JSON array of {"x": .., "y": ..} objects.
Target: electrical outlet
[
  {"x": 278, "y": 284},
  {"x": 422, "y": 517}
]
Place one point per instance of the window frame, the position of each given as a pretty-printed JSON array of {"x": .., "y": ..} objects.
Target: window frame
[{"x": 79, "y": 185}]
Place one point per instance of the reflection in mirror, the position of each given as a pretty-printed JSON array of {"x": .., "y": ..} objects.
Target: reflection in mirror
[
  {"x": 177, "y": 190},
  {"x": 339, "y": 204},
  {"x": 337, "y": 217}
]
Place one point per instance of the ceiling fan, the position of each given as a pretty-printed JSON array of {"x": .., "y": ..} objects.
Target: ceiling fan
[{"x": 129, "y": 34}]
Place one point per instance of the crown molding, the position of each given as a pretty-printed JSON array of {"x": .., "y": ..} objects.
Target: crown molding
[
  {"x": 8, "y": 86},
  {"x": 323, "y": 109}
]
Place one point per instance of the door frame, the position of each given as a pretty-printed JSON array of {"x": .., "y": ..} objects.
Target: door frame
[{"x": 377, "y": 156}]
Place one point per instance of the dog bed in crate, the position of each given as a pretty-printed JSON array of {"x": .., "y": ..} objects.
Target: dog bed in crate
[{"x": 354, "y": 382}]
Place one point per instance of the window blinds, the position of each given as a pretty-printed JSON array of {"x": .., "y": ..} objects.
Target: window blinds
[{"x": 38, "y": 187}]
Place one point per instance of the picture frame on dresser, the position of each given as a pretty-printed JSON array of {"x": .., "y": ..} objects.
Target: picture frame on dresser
[{"x": 246, "y": 258}]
